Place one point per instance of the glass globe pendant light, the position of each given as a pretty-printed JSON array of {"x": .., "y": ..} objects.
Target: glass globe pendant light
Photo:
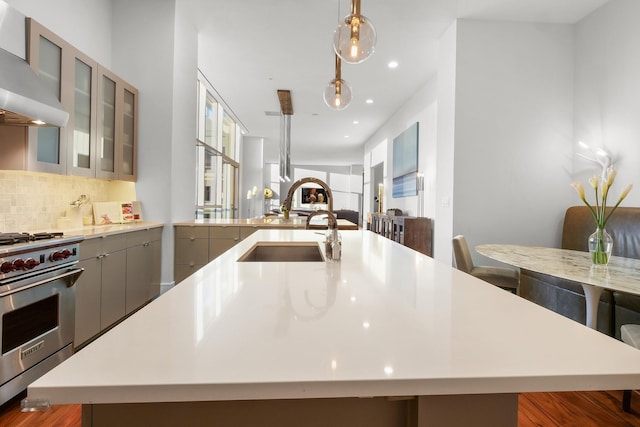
[
  {"x": 355, "y": 38},
  {"x": 337, "y": 94}
]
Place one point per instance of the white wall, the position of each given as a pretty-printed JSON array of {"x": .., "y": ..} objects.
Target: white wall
[
  {"x": 86, "y": 24},
  {"x": 607, "y": 88},
  {"x": 158, "y": 54},
  {"x": 446, "y": 98},
  {"x": 513, "y": 132},
  {"x": 501, "y": 113},
  {"x": 421, "y": 108}
]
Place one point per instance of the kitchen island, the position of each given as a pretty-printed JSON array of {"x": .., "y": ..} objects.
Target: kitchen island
[
  {"x": 384, "y": 337},
  {"x": 200, "y": 241}
]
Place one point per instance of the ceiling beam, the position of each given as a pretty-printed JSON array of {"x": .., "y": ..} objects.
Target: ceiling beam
[{"x": 285, "y": 102}]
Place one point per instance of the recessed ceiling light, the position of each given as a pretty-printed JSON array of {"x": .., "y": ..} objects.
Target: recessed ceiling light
[
  {"x": 346, "y": 136},
  {"x": 369, "y": 101},
  {"x": 393, "y": 64},
  {"x": 355, "y": 122}
]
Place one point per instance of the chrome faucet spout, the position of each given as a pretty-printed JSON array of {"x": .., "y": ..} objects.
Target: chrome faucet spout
[{"x": 298, "y": 183}]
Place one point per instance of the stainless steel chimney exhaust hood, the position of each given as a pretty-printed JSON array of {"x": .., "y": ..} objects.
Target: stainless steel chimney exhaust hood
[{"x": 24, "y": 99}]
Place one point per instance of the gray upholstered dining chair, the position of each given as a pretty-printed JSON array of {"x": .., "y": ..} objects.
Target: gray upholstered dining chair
[
  {"x": 629, "y": 334},
  {"x": 505, "y": 278}
]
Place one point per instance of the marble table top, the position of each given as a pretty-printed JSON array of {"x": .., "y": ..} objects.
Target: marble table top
[{"x": 621, "y": 274}]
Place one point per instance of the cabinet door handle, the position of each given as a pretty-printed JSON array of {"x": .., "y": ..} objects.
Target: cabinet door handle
[
  {"x": 192, "y": 238},
  {"x": 145, "y": 244}
]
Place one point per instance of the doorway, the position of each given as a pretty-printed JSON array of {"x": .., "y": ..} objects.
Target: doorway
[{"x": 377, "y": 180}]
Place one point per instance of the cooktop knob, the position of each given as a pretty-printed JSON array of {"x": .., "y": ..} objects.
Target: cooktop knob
[
  {"x": 31, "y": 263},
  {"x": 7, "y": 267},
  {"x": 60, "y": 255},
  {"x": 18, "y": 264}
]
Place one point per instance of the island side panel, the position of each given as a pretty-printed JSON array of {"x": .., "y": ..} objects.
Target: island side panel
[{"x": 496, "y": 410}]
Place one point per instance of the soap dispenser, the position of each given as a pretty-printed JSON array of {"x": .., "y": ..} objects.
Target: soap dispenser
[{"x": 336, "y": 245}]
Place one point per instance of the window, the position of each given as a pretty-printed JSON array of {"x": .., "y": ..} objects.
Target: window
[{"x": 217, "y": 166}]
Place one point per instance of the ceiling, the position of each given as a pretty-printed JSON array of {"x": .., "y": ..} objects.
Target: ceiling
[{"x": 251, "y": 48}]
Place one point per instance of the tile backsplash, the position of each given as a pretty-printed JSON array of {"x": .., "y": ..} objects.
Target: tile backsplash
[{"x": 32, "y": 201}]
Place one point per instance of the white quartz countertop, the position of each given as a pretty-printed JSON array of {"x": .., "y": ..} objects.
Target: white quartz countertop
[
  {"x": 384, "y": 321},
  {"x": 92, "y": 231}
]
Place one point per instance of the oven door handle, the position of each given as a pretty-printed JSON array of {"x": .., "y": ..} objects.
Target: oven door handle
[{"x": 73, "y": 274}]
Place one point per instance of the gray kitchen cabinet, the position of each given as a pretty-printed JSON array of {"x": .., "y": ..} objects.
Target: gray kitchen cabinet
[
  {"x": 88, "y": 289},
  {"x": 72, "y": 76},
  {"x": 101, "y": 289},
  {"x": 114, "y": 287},
  {"x": 195, "y": 246},
  {"x": 142, "y": 257},
  {"x": 100, "y": 138},
  {"x": 121, "y": 273},
  {"x": 117, "y": 129},
  {"x": 191, "y": 250},
  {"x": 222, "y": 238}
]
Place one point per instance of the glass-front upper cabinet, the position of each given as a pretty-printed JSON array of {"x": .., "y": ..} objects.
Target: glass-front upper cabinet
[
  {"x": 129, "y": 133},
  {"x": 82, "y": 121},
  {"x": 47, "y": 145},
  {"x": 71, "y": 76},
  {"x": 100, "y": 139},
  {"x": 106, "y": 162},
  {"x": 117, "y": 128}
]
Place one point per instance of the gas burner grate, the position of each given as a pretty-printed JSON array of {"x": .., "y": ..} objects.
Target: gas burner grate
[
  {"x": 13, "y": 238},
  {"x": 42, "y": 236}
]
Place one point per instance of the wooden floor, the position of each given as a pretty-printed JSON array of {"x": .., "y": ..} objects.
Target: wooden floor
[{"x": 570, "y": 409}]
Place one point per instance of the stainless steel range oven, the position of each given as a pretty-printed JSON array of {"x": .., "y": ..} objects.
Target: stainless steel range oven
[{"x": 37, "y": 303}]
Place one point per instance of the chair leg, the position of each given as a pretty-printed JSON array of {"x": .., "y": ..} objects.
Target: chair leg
[{"x": 626, "y": 400}]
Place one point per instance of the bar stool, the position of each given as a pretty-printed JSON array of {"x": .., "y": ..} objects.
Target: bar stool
[{"x": 630, "y": 334}]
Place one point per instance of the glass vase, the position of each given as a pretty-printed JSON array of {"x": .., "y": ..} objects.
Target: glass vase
[{"x": 600, "y": 246}]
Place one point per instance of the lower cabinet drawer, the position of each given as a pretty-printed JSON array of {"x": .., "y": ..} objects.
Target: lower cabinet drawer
[
  {"x": 182, "y": 271},
  {"x": 189, "y": 251}
]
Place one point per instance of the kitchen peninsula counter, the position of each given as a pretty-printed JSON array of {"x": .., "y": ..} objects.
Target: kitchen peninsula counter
[
  {"x": 386, "y": 336},
  {"x": 293, "y": 222}
]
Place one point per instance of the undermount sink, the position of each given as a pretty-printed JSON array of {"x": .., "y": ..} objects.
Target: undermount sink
[{"x": 283, "y": 252}]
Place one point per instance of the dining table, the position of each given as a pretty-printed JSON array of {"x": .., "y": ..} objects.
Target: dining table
[{"x": 620, "y": 274}]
